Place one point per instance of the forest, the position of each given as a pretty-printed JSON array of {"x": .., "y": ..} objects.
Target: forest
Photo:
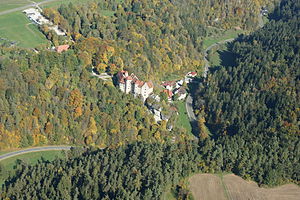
[
  {"x": 151, "y": 38},
  {"x": 50, "y": 98},
  {"x": 136, "y": 171},
  {"x": 251, "y": 107}
]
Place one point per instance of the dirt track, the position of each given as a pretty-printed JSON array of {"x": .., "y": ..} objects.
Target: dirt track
[{"x": 212, "y": 187}]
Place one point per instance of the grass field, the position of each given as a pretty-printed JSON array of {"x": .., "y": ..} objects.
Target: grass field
[
  {"x": 10, "y": 4},
  {"x": 232, "y": 187},
  {"x": 168, "y": 195},
  {"x": 222, "y": 35},
  {"x": 214, "y": 57},
  {"x": 183, "y": 119},
  {"x": 16, "y": 27},
  {"x": 221, "y": 57},
  {"x": 7, "y": 165},
  {"x": 3, "y": 152}
]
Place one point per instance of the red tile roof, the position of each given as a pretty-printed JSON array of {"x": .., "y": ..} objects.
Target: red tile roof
[
  {"x": 62, "y": 48},
  {"x": 129, "y": 78},
  {"x": 122, "y": 77},
  {"x": 192, "y": 74},
  {"x": 139, "y": 83},
  {"x": 134, "y": 77},
  {"x": 170, "y": 83},
  {"x": 169, "y": 93},
  {"x": 150, "y": 84}
]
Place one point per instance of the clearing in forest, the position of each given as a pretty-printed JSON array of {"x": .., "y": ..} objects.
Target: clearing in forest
[{"x": 17, "y": 28}]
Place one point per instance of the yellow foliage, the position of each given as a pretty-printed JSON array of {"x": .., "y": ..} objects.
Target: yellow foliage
[
  {"x": 92, "y": 126},
  {"x": 75, "y": 99},
  {"x": 101, "y": 67},
  {"x": 9, "y": 139},
  {"x": 157, "y": 136},
  {"x": 77, "y": 36},
  {"x": 114, "y": 131},
  {"x": 88, "y": 140},
  {"x": 39, "y": 139}
]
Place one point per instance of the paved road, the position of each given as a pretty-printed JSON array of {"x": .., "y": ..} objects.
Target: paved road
[
  {"x": 36, "y": 149},
  {"x": 189, "y": 108},
  {"x": 25, "y": 7},
  {"x": 103, "y": 76},
  {"x": 189, "y": 100}
]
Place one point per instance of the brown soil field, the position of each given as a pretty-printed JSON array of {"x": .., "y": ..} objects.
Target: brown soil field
[
  {"x": 206, "y": 187},
  {"x": 212, "y": 187}
]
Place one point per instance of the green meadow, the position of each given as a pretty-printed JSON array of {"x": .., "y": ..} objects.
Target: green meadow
[
  {"x": 183, "y": 119},
  {"x": 10, "y": 4},
  {"x": 16, "y": 27},
  {"x": 220, "y": 36}
]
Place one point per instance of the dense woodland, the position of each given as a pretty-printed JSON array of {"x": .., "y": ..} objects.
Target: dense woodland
[
  {"x": 151, "y": 38},
  {"x": 251, "y": 108},
  {"x": 138, "y": 171},
  {"x": 50, "y": 98}
]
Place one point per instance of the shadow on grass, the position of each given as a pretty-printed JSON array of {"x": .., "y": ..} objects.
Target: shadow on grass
[
  {"x": 227, "y": 58},
  {"x": 194, "y": 92}
]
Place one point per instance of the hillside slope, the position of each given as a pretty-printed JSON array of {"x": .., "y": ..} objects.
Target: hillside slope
[{"x": 252, "y": 107}]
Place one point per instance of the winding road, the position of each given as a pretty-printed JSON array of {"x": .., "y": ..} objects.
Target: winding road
[
  {"x": 35, "y": 149},
  {"x": 189, "y": 99}
]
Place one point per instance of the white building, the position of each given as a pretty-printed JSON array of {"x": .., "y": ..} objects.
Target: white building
[
  {"x": 189, "y": 77},
  {"x": 131, "y": 84},
  {"x": 181, "y": 92},
  {"x": 34, "y": 14}
]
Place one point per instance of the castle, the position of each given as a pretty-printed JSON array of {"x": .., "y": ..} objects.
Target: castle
[{"x": 131, "y": 84}]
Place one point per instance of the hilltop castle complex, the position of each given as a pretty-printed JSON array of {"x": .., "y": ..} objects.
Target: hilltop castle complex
[{"x": 131, "y": 84}]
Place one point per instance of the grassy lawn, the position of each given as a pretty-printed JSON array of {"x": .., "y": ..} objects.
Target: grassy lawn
[
  {"x": 183, "y": 119},
  {"x": 220, "y": 36},
  {"x": 3, "y": 152},
  {"x": 173, "y": 76},
  {"x": 168, "y": 195},
  {"x": 16, "y": 27},
  {"x": 221, "y": 56},
  {"x": 10, "y": 4},
  {"x": 215, "y": 59},
  {"x": 7, "y": 165}
]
